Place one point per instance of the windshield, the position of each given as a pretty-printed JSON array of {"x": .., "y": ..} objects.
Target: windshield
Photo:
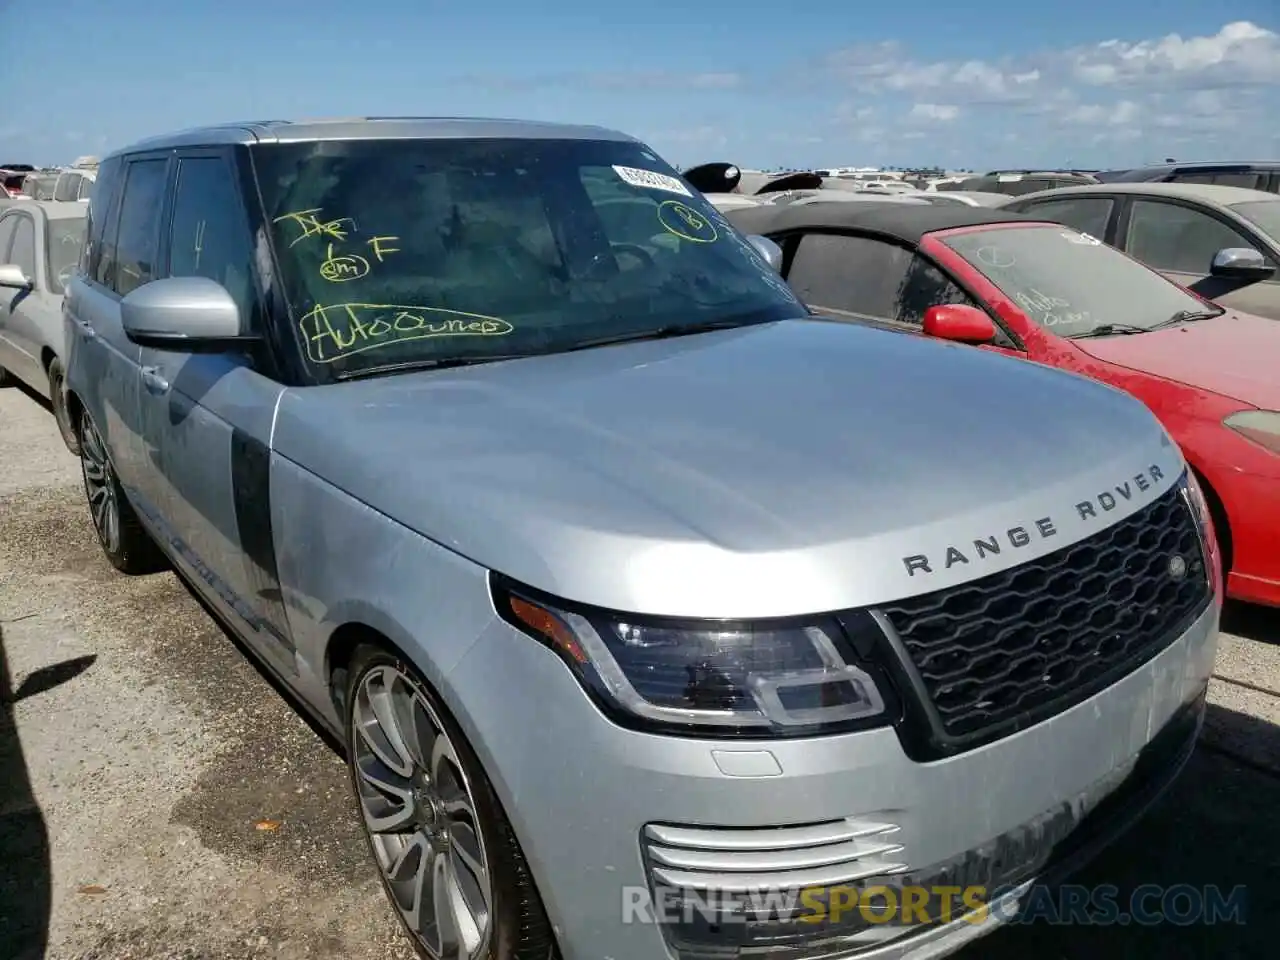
[
  {"x": 1264, "y": 214},
  {"x": 66, "y": 237},
  {"x": 412, "y": 251},
  {"x": 1071, "y": 283}
]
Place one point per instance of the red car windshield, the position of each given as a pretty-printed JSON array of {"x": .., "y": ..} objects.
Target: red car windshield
[{"x": 1071, "y": 283}]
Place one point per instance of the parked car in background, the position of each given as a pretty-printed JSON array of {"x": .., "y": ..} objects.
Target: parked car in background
[
  {"x": 1017, "y": 182},
  {"x": 74, "y": 185},
  {"x": 40, "y": 245},
  {"x": 1250, "y": 175},
  {"x": 1222, "y": 243},
  {"x": 612, "y": 569},
  {"x": 1045, "y": 292},
  {"x": 39, "y": 184},
  {"x": 11, "y": 180}
]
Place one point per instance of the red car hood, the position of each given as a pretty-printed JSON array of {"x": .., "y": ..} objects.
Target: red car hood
[{"x": 1236, "y": 355}]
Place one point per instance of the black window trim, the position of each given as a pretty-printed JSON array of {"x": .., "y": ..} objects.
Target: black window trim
[
  {"x": 112, "y": 229},
  {"x": 789, "y": 240},
  {"x": 1238, "y": 225},
  {"x": 270, "y": 356}
]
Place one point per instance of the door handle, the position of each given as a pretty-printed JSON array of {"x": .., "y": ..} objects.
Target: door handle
[
  {"x": 86, "y": 329},
  {"x": 152, "y": 380}
]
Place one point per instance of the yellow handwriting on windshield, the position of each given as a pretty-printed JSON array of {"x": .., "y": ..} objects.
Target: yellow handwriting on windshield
[
  {"x": 338, "y": 330},
  {"x": 343, "y": 267},
  {"x": 313, "y": 226},
  {"x": 381, "y": 247},
  {"x": 686, "y": 223}
]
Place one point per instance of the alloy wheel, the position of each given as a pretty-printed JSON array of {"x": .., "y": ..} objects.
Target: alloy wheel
[
  {"x": 100, "y": 486},
  {"x": 421, "y": 816}
]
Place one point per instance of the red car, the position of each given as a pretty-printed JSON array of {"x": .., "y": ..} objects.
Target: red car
[{"x": 1047, "y": 293}]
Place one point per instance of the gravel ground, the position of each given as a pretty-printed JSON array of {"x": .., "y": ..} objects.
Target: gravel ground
[{"x": 161, "y": 800}]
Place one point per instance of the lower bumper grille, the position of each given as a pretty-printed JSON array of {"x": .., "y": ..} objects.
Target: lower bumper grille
[{"x": 1022, "y": 644}]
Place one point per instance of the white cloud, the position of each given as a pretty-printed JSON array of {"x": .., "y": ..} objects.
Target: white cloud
[
  {"x": 935, "y": 112},
  {"x": 1218, "y": 91}
]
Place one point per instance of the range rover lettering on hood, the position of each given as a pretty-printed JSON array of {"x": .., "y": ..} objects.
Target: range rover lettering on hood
[{"x": 982, "y": 548}]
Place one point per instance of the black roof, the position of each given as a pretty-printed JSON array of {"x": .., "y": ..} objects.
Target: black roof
[{"x": 905, "y": 222}]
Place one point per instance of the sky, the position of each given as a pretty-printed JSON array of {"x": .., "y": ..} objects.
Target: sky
[{"x": 1083, "y": 83}]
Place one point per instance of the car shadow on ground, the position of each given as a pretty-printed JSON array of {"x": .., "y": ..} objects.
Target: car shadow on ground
[
  {"x": 1252, "y": 622},
  {"x": 1202, "y": 863},
  {"x": 25, "y": 874}
]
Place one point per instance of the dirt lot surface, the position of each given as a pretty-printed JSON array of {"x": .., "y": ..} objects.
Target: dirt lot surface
[{"x": 158, "y": 798}]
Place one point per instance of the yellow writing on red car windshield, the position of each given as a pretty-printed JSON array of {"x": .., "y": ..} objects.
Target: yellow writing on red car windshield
[{"x": 338, "y": 330}]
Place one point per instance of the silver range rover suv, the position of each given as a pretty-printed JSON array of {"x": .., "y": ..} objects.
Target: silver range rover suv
[{"x": 657, "y": 617}]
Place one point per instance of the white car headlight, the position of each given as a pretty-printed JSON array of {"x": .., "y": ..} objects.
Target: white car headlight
[{"x": 1260, "y": 426}]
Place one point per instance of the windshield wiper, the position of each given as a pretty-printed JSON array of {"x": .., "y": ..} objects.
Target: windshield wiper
[
  {"x": 663, "y": 332},
  {"x": 1189, "y": 316},
  {"x": 439, "y": 363},
  {"x": 1110, "y": 330}
]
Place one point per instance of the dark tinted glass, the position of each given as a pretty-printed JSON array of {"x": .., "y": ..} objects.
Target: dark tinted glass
[
  {"x": 419, "y": 250},
  {"x": 1087, "y": 214},
  {"x": 1169, "y": 236},
  {"x": 209, "y": 237},
  {"x": 136, "y": 240},
  {"x": 848, "y": 275}
]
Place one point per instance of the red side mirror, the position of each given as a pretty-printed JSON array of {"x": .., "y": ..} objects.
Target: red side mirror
[{"x": 953, "y": 321}]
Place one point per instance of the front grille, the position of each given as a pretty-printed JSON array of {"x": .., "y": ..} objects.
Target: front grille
[{"x": 1029, "y": 642}]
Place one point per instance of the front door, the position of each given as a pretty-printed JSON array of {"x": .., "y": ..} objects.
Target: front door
[
  {"x": 208, "y": 419},
  {"x": 1180, "y": 241}
]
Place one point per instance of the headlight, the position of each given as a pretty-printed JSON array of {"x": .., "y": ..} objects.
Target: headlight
[
  {"x": 712, "y": 677},
  {"x": 1260, "y": 426},
  {"x": 1208, "y": 533}
]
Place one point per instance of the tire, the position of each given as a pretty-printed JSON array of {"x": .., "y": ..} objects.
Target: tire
[
  {"x": 442, "y": 825},
  {"x": 61, "y": 413},
  {"x": 120, "y": 533}
]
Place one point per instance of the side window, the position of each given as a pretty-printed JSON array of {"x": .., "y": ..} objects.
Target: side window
[
  {"x": 1086, "y": 214},
  {"x": 209, "y": 237},
  {"x": 849, "y": 275},
  {"x": 1191, "y": 178},
  {"x": 6, "y": 234},
  {"x": 1176, "y": 238},
  {"x": 65, "y": 189},
  {"x": 134, "y": 254},
  {"x": 23, "y": 252},
  {"x": 926, "y": 286},
  {"x": 86, "y": 189},
  {"x": 1251, "y": 181}
]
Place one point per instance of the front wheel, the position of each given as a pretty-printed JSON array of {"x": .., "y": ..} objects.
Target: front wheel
[
  {"x": 448, "y": 860},
  {"x": 120, "y": 533},
  {"x": 61, "y": 412}
]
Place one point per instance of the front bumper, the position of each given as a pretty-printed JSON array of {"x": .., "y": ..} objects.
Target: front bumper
[
  {"x": 580, "y": 791},
  {"x": 1253, "y": 509}
]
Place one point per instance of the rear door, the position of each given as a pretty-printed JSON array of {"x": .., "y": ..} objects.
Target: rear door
[
  {"x": 1180, "y": 240},
  {"x": 120, "y": 256},
  {"x": 208, "y": 416}
]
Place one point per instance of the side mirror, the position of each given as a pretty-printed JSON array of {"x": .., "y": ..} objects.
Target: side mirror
[
  {"x": 11, "y": 275},
  {"x": 953, "y": 321},
  {"x": 1241, "y": 263},
  {"x": 771, "y": 252},
  {"x": 182, "y": 313}
]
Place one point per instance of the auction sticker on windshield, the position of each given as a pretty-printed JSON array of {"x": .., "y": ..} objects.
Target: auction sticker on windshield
[{"x": 651, "y": 179}]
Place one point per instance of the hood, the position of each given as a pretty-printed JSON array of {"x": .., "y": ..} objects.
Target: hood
[
  {"x": 785, "y": 468},
  {"x": 1236, "y": 355}
]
